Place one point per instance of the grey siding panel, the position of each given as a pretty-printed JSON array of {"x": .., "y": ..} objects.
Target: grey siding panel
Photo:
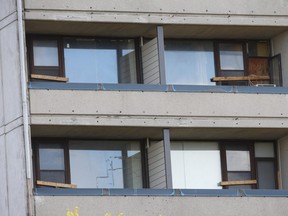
[
  {"x": 152, "y": 75},
  {"x": 156, "y": 165},
  {"x": 159, "y": 175},
  {"x": 155, "y": 152},
  {"x": 157, "y": 181},
  {"x": 150, "y": 62},
  {"x": 155, "y": 81},
  {"x": 162, "y": 185},
  {"x": 149, "y": 44},
  {"x": 158, "y": 157},
  {"x": 148, "y": 57}
]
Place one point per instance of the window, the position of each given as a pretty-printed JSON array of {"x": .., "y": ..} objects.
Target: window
[
  {"x": 100, "y": 60},
  {"x": 238, "y": 163},
  {"x": 245, "y": 161},
  {"x": 227, "y": 165},
  {"x": 83, "y": 60},
  {"x": 266, "y": 165},
  {"x": 189, "y": 62},
  {"x": 230, "y": 60},
  {"x": 90, "y": 164},
  {"x": 45, "y": 57}
]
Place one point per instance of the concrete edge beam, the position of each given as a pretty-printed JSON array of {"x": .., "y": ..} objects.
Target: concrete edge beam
[
  {"x": 152, "y": 121},
  {"x": 157, "y": 18}
]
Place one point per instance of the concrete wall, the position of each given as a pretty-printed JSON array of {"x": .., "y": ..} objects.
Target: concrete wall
[
  {"x": 159, "y": 11},
  {"x": 13, "y": 186},
  {"x": 280, "y": 46},
  {"x": 158, "y": 109},
  {"x": 165, "y": 206},
  {"x": 283, "y": 161}
]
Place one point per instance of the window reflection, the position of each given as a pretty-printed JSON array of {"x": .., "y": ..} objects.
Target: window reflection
[
  {"x": 189, "y": 62},
  {"x": 100, "y": 60},
  {"x": 231, "y": 56},
  {"x": 45, "y": 53},
  {"x": 105, "y": 164},
  {"x": 51, "y": 163}
]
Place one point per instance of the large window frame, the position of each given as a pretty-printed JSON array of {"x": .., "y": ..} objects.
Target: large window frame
[
  {"x": 61, "y": 76},
  {"x": 225, "y": 72},
  {"x": 246, "y": 145},
  {"x": 65, "y": 145},
  {"x": 33, "y": 68},
  {"x": 188, "y": 52},
  {"x": 253, "y": 161}
]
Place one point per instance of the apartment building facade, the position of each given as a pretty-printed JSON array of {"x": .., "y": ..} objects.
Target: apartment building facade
[{"x": 143, "y": 107}]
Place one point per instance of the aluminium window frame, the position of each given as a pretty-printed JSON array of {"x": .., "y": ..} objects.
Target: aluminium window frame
[
  {"x": 218, "y": 71},
  {"x": 36, "y": 158},
  {"x": 223, "y": 159},
  {"x": 253, "y": 160},
  {"x": 32, "y": 67},
  {"x": 61, "y": 57},
  {"x": 65, "y": 143}
]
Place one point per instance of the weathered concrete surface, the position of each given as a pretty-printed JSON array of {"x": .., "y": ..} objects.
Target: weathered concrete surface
[
  {"x": 251, "y": 7},
  {"x": 13, "y": 183},
  {"x": 17, "y": 185},
  {"x": 7, "y": 7},
  {"x": 280, "y": 46},
  {"x": 159, "y": 11},
  {"x": 166, "y": 206},
  {"x": 10, "y": 72},
  {"x": 3, "y": 178},
  {"x": 283, "y": 161},
  {"x": 158, "y": 109}
]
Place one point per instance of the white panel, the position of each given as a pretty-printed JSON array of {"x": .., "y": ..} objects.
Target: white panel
[
  {"x": 16, "y": 172},
  {"x": 3, "y": 180},
  {"x": 11, "y": 72},
  {"x": 264, "y": 149},
  {"x": 178, "y": 165},
  {"x": 197, "y": 166}
]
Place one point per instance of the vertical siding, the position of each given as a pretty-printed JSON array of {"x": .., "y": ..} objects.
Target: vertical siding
[
  {"x": 150, "y": 61},
  {"x": 156, "y": 165}
]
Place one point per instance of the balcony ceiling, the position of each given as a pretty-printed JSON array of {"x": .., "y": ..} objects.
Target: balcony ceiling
[
  {"x": 149, "y": 30},
  {"x": 86, "y": 132}
]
